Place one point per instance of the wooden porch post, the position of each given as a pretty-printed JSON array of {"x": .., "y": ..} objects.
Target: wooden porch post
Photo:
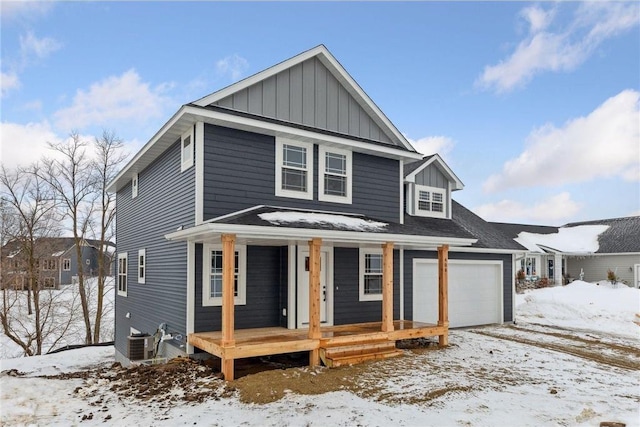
[
  {"x": 443, "y": 293},
  {"x": 228, "y": 303},
  {"x": 387, "y": 287},
  {"x": 314, "y": 297}
]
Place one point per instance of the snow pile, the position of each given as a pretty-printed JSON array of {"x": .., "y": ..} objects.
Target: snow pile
[
  {"x": 339, "y": 221},
  {"x": 579, "y": 239},
  {"x": 597, "y": 307}
]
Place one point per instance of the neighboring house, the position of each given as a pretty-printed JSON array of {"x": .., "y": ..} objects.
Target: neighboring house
[
  {"x": 56, "y": 259},
  {"x": 583, "y": 249},
  {"x": 332, "y": 216}
]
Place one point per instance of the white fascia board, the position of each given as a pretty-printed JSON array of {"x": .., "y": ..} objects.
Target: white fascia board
[
  {"x": 436, "y": 158},
  {"x": 488, "y": 251},
  {"x": 285, "y": 233}
]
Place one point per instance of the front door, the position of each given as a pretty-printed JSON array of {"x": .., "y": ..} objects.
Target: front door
[{"x": 325, "y": 288}]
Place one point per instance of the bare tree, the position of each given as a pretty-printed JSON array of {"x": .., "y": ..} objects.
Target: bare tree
[
  {"x": 71, "y": 178},
  {"x": 109, "y": 156}
]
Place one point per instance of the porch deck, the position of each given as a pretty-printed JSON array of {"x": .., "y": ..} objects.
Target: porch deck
[{"x": 268, "y": 341}]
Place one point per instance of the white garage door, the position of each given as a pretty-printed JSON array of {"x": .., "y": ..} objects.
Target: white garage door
[{"x": 475, "y": 292}]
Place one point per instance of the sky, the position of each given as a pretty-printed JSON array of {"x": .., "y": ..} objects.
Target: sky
[{"x": 534, "y": 106}]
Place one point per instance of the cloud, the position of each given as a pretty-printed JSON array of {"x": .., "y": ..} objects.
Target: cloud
[
  {"x": 544, "y": 50},
  {"x": 8, "y": 81},
  {"x": 25, "y": 144},
  {"x": 233, "y": 66},
  {"x": 602, "y": 144},
  {"x": 552, "y": 210},
  {"x": 124, "y": 99},
  {"x": 441, "y": 145},
  {"x": 32, "y": 46},
  {"x": 21, "y": 10}
]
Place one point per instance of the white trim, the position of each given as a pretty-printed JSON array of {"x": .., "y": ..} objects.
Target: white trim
[
  {"x": 402, "y": 284},
  {"x": 401, "y": 190},
  {"x": 445, "y": 168},
  {"x": 431, "y": 190},
  {"x": 279, "y": 191},
  {"x": 361, "y": 271},
  {"x": 636, "y": 275},
  {"x": 322, "y": 152},
  {"x": 142, "y": 253},
  {"x": 135, "y": 184},
  {"x": 191, "y": 293},
  {"x": 63, "y": 261},
  {"x": 123, "y": 293},
  {"x": 335, "y": 68},
  {"x": 199, "y": 184},
  {"x": 186, "y": 160},
  {"x": 328, "y": 282},
  {"x": 291, "y": 287},
  {"x": 207, "y": 300}
]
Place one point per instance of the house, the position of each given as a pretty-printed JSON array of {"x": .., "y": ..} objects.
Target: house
[
  {"x": 56, "y": 259},
  {"x": 286, "y": 213},
  {"x": 586, "y": 250}
]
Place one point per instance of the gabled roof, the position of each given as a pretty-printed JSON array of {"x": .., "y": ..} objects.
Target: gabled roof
[
  {"x": 487, "y": 234},
  {"x": 50, "y": 247},
  {"x": 414, "y": 168},
  {"x": 622, "y": 236},
  {"x": 337, "y": 70},
  {"x": 512, "y": 230}
]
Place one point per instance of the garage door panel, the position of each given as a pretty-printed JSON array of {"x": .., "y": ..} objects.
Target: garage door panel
[{"x": 475, "y": 290}]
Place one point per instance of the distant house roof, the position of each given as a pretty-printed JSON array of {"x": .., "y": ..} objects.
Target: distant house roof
[
  {"x": 622, "y": 236},
  {"x": 50, "y": 247},
  {"x": 512, "y": 230}
]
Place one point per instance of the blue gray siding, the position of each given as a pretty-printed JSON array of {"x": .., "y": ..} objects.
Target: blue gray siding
[
  {"x": 88, "y": 253},
  {"x": 165, "y": 201},
  {"x": 507, "y": 278},
  {"x": 239, "y": 172},
  {"x": 264, "y": 280},
  {"x": 307, "y": 94},
  {"x": 347, "y": 307}
]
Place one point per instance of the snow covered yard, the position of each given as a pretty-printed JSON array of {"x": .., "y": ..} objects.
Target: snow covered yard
[{"x": 542, "y": 371}]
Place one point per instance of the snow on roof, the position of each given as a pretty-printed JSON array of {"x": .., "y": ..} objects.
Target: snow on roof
[
  {"x": 339, "y": 221},
  {"x": 580, "y": 239},
  {"x": 56, "y": 254}
]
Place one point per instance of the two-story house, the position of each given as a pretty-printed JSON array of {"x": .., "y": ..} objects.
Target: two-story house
[{"x": 287, "y": 213}]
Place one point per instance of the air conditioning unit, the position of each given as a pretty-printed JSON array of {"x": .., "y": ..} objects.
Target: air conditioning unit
[{"x": 140, "y": 347}]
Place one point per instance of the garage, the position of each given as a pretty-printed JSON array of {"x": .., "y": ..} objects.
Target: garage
[{"x": 475, "y": 292}]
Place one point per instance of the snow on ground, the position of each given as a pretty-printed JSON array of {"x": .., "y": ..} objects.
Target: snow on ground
[{"x": 477, "y": 380}]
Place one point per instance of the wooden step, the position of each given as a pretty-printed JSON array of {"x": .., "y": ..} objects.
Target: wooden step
[
  {"x": 359, "y": 349},
  {"x": 355, "y": 359}
]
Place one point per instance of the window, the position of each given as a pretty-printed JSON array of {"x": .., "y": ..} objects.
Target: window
[
  {"x": 66, "y": 264},
  {"x": 430, "y": 201},
  {"x": 187, "y": 144},
  {"x": 142, "y": 264},
  {"x": 122, "y": 274},
  {"x": 134, "y": 186},
  {"x": 294, "y": 169},
  {"x": 212, "y": 275},
  {"x": 49, "y": 264},
  {"x": 49, "y": 283},
  {"x": 370, "y": 274},
  {"x": 334, "y": 182}
]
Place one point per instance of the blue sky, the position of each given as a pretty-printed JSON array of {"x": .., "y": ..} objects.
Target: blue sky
[{"x": 535, "y": 106}]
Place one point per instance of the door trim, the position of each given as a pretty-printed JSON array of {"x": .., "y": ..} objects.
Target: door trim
[{"x": 328, "y": 251}]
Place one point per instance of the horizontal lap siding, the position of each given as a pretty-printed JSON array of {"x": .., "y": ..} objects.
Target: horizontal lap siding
[
  {"x": 507, "y": 277},
  {"x": 347, "y": 307},
  {"x": 595, "y": 267},
  {"x": 263, "y": 305},
  {"x": 239, "y": 173},
  {"x": 165, "y": 201}
]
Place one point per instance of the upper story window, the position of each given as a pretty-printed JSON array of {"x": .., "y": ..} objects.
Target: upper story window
[
  {"x": 122, "y": 274},
  {"x": 134, "y": 186},
  {"x": 430, "y": 201},
  {"x": 66, "y": 264},
  {"x": 49, "y": 264},
  {"x": 212, "y": 275},
  {"x": 187, "y": 144},
  {"x": 142, "y": 265},
  {"x": 370, "y": 274},
  {"x": 334, "y": 182},
  {"x": 294, "y": 169}
]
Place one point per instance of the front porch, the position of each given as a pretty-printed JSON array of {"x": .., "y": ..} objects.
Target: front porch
[{"x": 268, "y": 341}]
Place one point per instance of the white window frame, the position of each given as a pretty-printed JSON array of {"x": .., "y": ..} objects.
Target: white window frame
[
  {"x": 66, "y": 264},
  {"x": 48, "y": 283},
  {"x": 431, "y": 190},
  {"x": 134, "y": 185},
  {"x": 142, "y": 266},
  {"x": 280, "y": 192},
  {"x": 322, "y": 154},
  {"x": 361, "y": 273},
  {"x": 186, "y": 156},
  {"x": 207, "y": 299},
  {"x": 122, "y": 291}
]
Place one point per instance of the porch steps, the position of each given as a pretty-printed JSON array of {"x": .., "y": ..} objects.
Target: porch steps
[{"x": 334, "y": 354}]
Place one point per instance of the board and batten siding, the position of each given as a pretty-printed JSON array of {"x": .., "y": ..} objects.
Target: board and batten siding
[
  {"x": 507, "y": 277},
  {"x": 263, "y": 306},
  {"x": 595, "y": 267},
  {"x": 347, "y": 307},
  {"x": 432, "y": 177},
  {"x": 307, "y": 94},
  {"x": 165, "y": 202},
  {"x": 239, "y": 173}
]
